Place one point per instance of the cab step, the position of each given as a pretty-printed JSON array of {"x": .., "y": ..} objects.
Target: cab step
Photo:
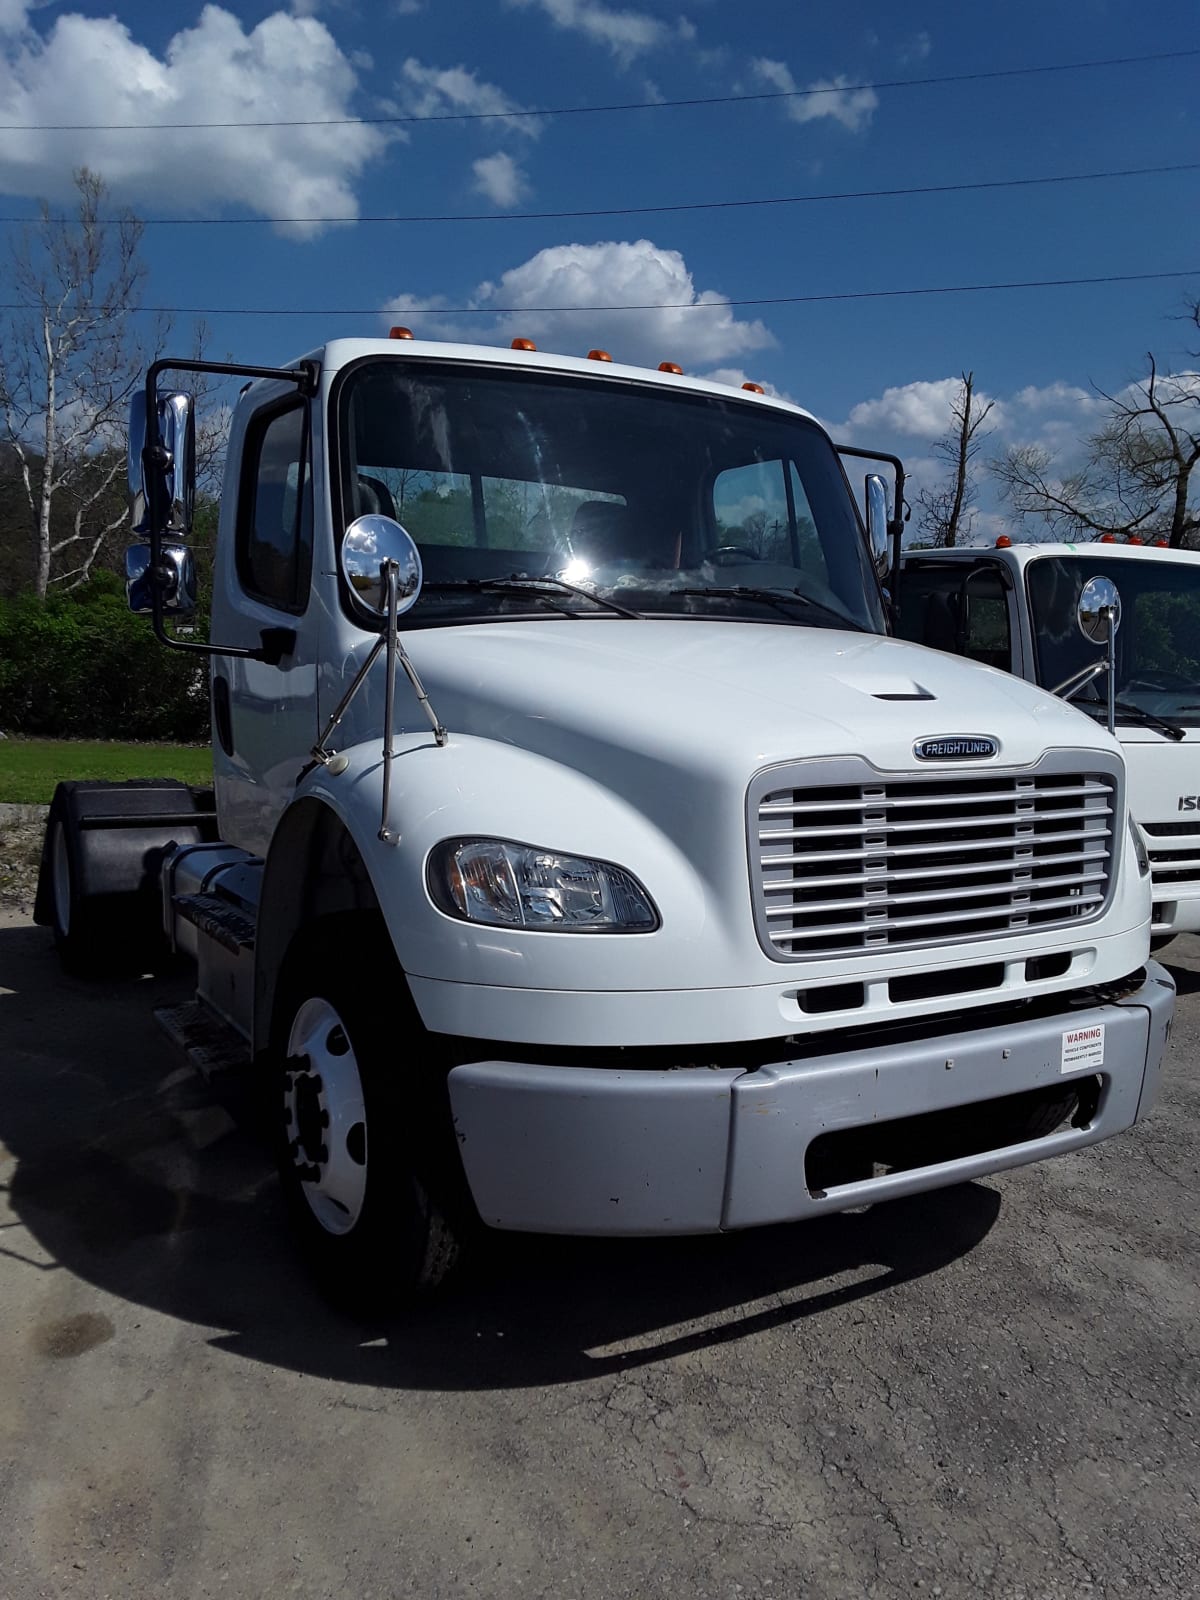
[
  {"x": 210, "y": 1045},
  {"x": 218, "y": 919}
]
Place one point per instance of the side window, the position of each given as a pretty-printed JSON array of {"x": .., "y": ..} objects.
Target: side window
[
  {"x": 929, "y": 608},
  {"x": 274, "y": 544},
  {"x": 751, "y": 508},
  {"x": 962, "y": 610},
  {"x": 987, "y": 626},
  {"x": 762, "y": 507}
]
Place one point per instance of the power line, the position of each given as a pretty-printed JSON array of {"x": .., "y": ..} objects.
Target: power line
[
  {"x": 626, "y": 105},
  {"x": 681, "y": 305},
  {"x": 657, "y": 210}
]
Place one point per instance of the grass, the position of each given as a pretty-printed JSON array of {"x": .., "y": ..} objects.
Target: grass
[{"x": 29, "y": 768}]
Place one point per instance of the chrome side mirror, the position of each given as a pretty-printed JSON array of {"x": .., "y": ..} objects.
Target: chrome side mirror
[
  {"x": 877, "y": 520},
  {"x": 371, "y": 544},
  {"x": 176, "y": 579},
  {"x": 1099, "y": 600},
  {"x": 174, "y": 492}
]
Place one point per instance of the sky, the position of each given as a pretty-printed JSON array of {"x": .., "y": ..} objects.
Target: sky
[{"x": 880, "y": 372}]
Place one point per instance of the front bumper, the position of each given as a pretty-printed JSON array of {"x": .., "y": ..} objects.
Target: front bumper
[{"x": 696, "y": 1149}]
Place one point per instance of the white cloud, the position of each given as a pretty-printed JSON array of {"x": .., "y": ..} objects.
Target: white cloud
[
  {"x": 827, "y": 97},
  {"x": 90, "y": 69},
  {"x": 14, "y": 15},
  {"x": 626, "y": 33},
  {"x": 500, "y": 179},
  {"x": 438, "y": 91},
  {"x": 603, "y": 276},
  {"x": 918, "y": 48},
  {"x": 919, "y": 410},
  {"x": 1056, "y": 397},
  {"x": 735, "y": 377}
]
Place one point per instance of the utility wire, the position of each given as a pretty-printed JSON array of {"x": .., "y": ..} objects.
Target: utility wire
[
  {"x": 626, "y": 105},
  {"x": 656, "y": 210},
  {"x": 681, "y": 305}
]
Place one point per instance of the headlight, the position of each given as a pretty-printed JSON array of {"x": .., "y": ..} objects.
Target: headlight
[
  {"x": 1139, "y": 848},
  {"x": 518, "y": 886}
]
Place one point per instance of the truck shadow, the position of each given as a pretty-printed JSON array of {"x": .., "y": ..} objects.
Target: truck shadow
[{"x": 125, "y": 1171}]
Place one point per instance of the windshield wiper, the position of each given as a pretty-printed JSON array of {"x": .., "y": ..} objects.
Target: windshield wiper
[
  {"x": 517, "y": 585},
  {"x": 781, "y": 599},
  {"x": 1126, "y": 708}
]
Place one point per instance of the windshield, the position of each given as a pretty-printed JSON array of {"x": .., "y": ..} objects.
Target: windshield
[
  {"x": 668, "y": 504},
  {"x": 1158, "y": 641}
]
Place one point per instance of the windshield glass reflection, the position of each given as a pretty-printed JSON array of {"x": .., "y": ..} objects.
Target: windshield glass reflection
[
  {"x": 1158, "y": 641},
  {"x": 677, "y": 505}
]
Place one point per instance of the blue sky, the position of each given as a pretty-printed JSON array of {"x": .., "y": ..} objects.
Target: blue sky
[{"x": 878, "y": 370}]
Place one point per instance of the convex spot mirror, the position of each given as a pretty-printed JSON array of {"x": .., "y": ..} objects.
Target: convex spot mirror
[
  {"x": 369, "y": 545},
  {"x": 177, "y": 579},
  {"x": 168, "y": 487},
  {"x": 1097, "y": 598},
  {"x": 877, "y": 520}
]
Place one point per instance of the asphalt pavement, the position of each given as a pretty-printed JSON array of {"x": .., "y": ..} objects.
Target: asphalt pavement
[{"x": 992, "y": 1390}]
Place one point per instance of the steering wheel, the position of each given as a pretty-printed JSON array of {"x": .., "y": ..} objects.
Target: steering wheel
[
  {"x": 1160, "y": 678},
  {"x": 730, "y": 555}
]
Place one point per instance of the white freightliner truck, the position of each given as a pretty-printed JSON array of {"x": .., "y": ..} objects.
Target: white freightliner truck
[
  {"x": 586, "y": 858},
  {"x": 1014, "y": 606}
]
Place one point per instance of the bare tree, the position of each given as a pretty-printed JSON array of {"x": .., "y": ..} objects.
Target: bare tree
[
  {"x": 947, "y": 511},
  {"x": 1136, "y": 477},
  {"x": 69, "y": 364}
]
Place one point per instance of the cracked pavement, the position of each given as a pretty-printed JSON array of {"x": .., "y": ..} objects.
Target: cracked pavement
[{"x": 991, "y": 1390}]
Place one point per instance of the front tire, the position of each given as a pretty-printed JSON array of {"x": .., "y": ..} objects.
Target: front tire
[{"x": 365, "y": 1146}]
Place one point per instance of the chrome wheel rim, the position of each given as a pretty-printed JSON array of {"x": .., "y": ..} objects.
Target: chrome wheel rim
[
  {"x": 325, "y": 1117},
  {"x": 61, "y": 870}
]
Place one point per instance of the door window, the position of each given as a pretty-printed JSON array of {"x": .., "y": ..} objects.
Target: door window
[
  {"x": 274, "y": 547},
  {"x": 962, "y": 611}
]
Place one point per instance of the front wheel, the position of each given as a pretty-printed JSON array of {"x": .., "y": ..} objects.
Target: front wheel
[{"x": 362, "y": 1160}]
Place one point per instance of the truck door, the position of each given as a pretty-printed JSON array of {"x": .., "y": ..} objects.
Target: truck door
[
  {"x": 265, "y": 715},
  {"x": 961, "y": 607}
]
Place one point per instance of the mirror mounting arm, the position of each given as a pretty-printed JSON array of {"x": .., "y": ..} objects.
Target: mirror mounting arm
[
  {"x": 156, "y": 457},
  {"x": 389, "y": 639}
]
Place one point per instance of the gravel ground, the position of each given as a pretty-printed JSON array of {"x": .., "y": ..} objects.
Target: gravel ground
[{"x": 21, "y": 830}]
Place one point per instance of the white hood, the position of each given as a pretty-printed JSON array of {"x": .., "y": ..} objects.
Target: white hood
[{"x": 695, "y": 694}]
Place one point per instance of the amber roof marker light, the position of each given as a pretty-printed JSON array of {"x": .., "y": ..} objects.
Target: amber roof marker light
[
  {"x": 401, "y": 333},
  {"x": 522, "y": 344},
  {"x": 1003, "y": 542},
  {"x": 671, "y": 366},
  {"x": 598, "y": 355},
  {"x": 754, "y": 388}
]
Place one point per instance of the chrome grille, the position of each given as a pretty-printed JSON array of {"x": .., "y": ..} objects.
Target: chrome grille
[
  {"x": 1174, "y": 851},
  {"x": 892, "y": 863}
]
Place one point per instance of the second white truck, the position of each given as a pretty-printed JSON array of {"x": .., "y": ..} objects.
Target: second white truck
[{"x": 1014, "y": 606}]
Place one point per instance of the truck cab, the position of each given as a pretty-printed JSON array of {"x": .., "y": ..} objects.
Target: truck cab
[
  {"x": 586, "y": 857},
  {"x": 1012, "y": 606}
]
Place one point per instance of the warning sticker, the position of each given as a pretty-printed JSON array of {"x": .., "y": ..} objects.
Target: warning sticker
[{"x": 1082, "y": 1047}]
